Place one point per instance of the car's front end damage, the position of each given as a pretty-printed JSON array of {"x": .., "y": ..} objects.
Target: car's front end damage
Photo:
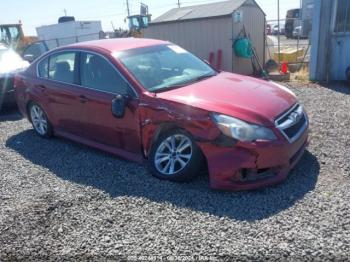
[{"x": 251, "y": 165}]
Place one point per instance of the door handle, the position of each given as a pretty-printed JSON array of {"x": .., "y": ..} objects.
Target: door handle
[{"x": 83, "y": 99}]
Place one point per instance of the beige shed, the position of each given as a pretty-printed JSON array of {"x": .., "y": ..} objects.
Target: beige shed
[{"x": 210, "y": 29}]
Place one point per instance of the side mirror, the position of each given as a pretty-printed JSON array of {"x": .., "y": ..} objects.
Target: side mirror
[
  {"x": 118, "y": 105},
  {"x": 29, "y": 58}
]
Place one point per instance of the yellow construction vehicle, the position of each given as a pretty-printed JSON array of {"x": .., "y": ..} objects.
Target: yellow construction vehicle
[
  {"x": 137, "y": 23},
  {"x": 12, "y": 35}
]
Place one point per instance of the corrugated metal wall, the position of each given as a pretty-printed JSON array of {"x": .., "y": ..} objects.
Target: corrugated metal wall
[
  {"x": 340, "y": 56},
  {"x": 320, "y": 38},
  {"x": 209, "y": 35},
  {"x": 198, "y": 36},
  {"x": 330, "y": 54},
  {"x": 339, "y": 47}
]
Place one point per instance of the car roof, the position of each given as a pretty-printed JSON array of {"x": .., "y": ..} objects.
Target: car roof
[{"x": 118, "y": 44}]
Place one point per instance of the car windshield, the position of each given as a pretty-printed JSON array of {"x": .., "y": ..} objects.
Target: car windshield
[{"x": 163, "y": 67}]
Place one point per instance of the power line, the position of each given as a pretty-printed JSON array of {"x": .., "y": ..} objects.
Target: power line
[
  {"x": 200, "y": 2},
  {"x": 102, "y": 16},
  {"x": 162, "y": 6}
]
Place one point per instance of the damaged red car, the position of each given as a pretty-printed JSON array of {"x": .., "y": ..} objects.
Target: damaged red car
[{"x": 152, "y": 101}]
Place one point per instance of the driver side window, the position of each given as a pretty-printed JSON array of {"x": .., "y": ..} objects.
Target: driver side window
[{"x": 97, "y": 73}]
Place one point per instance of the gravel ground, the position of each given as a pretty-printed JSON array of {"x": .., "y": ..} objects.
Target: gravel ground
[{"x": 60, "y": 200}]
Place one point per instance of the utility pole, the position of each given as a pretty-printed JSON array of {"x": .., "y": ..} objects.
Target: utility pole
[
  {"x": 113, "y": 26},
  {"x": 279, "y": 31},
  {"x": 128, "y": 7},
  {"x": 178, "y": 4}
]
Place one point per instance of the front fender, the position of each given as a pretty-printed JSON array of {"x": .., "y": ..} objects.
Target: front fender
[{"x": 156, "y": 119}]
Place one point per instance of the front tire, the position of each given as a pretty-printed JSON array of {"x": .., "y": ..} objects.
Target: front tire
[
  {"x": 40, "y": 121},
  {"x": 175, "y": 157}
]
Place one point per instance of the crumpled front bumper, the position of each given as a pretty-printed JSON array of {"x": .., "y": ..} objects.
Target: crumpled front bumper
[{"x": 252, "y": 166}]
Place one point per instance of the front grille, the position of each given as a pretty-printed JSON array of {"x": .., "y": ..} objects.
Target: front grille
[
  {"x": 293, "y": 123},
  {"x": 293, "y": 130}
]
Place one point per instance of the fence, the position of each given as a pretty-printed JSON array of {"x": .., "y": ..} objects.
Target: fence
[{"x": 294, "y": 50}]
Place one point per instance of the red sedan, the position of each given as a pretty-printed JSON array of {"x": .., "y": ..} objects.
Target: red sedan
[{"x": 149, "y": 100}]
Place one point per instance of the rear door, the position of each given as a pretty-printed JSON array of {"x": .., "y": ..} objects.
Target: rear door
[
  {"x": 102, "y": 82},
  {"x": 58, "y": 78}
]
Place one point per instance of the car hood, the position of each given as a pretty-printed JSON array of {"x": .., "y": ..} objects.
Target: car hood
[{"x": 249, "y": 99}]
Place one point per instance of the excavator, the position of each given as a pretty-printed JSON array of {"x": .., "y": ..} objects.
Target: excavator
[{"x": 12, "y": 35}]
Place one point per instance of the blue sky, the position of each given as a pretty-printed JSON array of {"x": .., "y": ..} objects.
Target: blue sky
[{"x": 34, "y": 13}]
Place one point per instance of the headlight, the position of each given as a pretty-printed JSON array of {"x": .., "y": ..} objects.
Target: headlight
[{"x": 241, "y": 130}]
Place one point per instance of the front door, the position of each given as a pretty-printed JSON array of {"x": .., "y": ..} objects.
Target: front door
[{"x": 101, "y": 82}]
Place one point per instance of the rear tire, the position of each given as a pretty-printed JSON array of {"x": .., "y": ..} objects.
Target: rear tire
[
  {"x": 40, "y": 121},
  {"x": 175, "y": 157}
]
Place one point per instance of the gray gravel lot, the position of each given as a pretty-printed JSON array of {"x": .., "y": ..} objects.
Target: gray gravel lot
[{"x": 60, "y": 200}]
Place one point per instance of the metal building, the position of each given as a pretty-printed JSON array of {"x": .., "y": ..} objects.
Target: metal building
[
  {"x": 210, "y": 30},
  {"x": 330, "y": 54}
]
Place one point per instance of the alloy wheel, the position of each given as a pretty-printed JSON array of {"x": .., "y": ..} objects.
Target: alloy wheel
[
  {"x": 173, "y": 154},
  {"x": 38, "y": 119}
]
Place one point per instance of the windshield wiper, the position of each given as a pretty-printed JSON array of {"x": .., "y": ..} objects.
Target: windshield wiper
[
  {"x": 191, "y": 81},
  {"x": 199, "y": 78},
  {"x": 168, "y": 87}
]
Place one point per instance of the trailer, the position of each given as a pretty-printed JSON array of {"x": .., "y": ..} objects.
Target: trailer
[{"x": 69, "y": 32}]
